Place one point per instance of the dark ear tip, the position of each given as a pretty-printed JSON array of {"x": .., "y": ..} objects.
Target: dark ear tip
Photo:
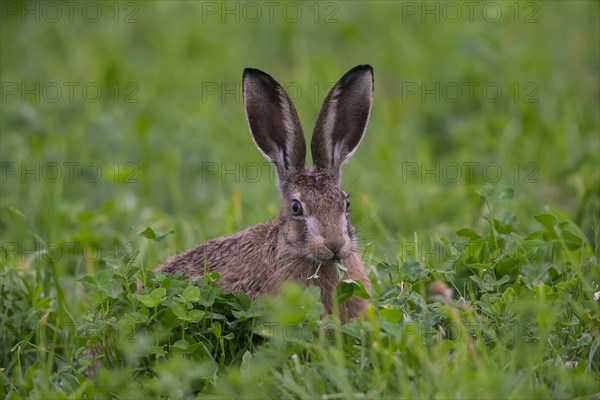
[
  {"x": 360, "y": 70},
  {"x": 363, "y": 67},
  {"x": 251, "y": 71},
  {"x": 257, "y": 75}
]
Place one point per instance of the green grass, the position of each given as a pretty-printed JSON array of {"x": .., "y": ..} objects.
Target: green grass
[{"x": 518, "y": 251}]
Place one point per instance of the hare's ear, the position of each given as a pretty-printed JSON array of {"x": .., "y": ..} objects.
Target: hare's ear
[
  {"x": 342, "y": 121},
  {"x": 273, "y": 122}
]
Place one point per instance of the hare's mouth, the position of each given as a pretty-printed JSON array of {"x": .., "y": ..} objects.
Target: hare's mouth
[
  {"x": 334, "y": 259},
  {"x": 326, "y": 256}
]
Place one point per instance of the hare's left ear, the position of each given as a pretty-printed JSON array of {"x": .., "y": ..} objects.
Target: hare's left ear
[
  {"x": 273, "y": 122},
  {"x": 343, "y": 119}
]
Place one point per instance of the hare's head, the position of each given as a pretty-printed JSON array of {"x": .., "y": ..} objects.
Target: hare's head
[{"x": 314, "y": 208}]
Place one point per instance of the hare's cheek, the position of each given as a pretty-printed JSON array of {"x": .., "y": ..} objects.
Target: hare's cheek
[
  {"x": 348, "y": 228},
  {"x": 314, "y": 241},
  {"x": 315, "y": 245},
  {"x": 297, "y": 232},
  {"x": 351, "y": 231},
  {"x": 311, "y": 226}
]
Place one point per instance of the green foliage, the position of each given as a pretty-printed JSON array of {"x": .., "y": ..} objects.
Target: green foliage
[
  {"x": 477, "y": 219},
  {"x": 518, "y": 317}
]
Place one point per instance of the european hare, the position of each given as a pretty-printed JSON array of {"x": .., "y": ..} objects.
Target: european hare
[{"x": 312, "y": 230}]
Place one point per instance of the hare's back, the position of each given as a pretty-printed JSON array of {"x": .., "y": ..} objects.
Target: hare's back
[{"x": 233, "y": 256}]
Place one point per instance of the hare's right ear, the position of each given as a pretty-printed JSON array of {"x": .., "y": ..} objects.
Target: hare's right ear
[
  {"x": 273, "y": 122},
  {"x": 343, "y": 119}
]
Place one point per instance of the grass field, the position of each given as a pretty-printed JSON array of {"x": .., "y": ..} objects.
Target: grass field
[{"x": 476, "y": 194}]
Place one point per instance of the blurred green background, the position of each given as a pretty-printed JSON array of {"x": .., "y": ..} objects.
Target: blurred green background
[{"x": 126, "y": 114}]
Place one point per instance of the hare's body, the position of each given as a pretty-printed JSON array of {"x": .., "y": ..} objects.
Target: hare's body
[
  {"x": 312, "y": 232},
  {"x": 272, "y": 267},
  {"x": 257, "y": 260}
]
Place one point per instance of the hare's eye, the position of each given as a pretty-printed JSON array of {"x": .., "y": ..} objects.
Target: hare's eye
[
  {"x": 348, "y": 203},
  {"x": 296, "y": 207}
]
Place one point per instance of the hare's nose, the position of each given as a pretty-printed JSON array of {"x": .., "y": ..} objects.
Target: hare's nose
[{"x": 334, "y": 247}]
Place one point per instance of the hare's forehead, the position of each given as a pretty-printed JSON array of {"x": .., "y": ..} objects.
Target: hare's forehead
[
  {"x": 331, "y": 194},
  {"x": 320, "y": 198},
  {"x": 317, "y": 190}
]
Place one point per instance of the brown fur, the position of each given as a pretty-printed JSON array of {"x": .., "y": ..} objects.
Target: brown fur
[{"x": 292, "y": 247}]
